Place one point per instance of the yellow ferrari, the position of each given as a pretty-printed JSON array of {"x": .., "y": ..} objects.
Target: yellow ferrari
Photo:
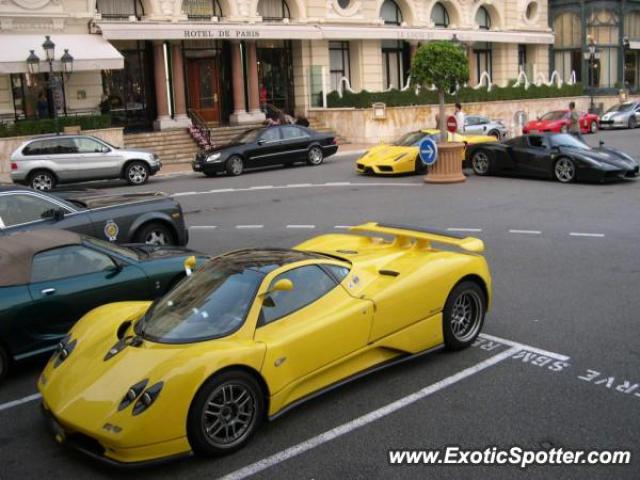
[
  {"x": 253, "y": 333},
  {"x": 401, "y": 157}
]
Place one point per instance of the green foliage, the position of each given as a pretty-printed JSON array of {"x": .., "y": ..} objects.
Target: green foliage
[
  {"x": 47, "y": 125},
  {"x": 440, "y": 63},
  {"x": 397, "y": 98}
]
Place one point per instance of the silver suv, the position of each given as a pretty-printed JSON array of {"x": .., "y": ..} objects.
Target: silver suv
[{"x": 45, "y": 161}]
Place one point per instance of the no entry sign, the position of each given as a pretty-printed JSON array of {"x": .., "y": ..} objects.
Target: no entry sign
[{"x": 452, "y": 124}]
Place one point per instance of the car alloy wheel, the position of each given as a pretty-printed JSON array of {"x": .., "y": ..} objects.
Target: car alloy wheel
[
  {"x": 565, "y": 170},
  {"x": 480, "y": 163},
  {"x": 594, "y": 127},
  {"x": 137, "y": 173},
  {"x": 43, "y": 181},
  {"x": 463, "y": 315},
  {"x": 235, "y": 166},
  {"x": 495, "y": 133},
  {"x": 154, "y": 234},
  {"x": 315, "y": 156},
  {"x": 632, "y": 122}
]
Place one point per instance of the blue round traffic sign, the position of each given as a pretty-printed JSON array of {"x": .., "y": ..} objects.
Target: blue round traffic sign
[{"x": 428, "y": 151}]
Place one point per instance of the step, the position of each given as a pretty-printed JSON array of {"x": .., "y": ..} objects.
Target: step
[{"x": 182, "y": 143}]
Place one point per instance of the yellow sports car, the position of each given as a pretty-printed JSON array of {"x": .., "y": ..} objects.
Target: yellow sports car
[
  {"x": 252, "y": 333},
  {"x": 402, "y": 155}
]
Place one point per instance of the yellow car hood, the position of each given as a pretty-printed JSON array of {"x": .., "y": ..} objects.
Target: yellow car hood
[{"x": 387, "y": 154}]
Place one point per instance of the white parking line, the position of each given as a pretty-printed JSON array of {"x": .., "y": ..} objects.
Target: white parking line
[
  {"x": 298, "y": 185},
  {"x": 262, "y": 187},
  {"x": 302, "y": 226},
  {"x": 526, "y": 232},
  {"x": 461, "y": 229},
  {"x": 342, "y": 227},
  {"x": 366, "y": 419},
  {"x": 182, "y": 194},
  {"x": 15, "y": 403},
  {"x": 592, "y": 235},
  {"x": 203, "y": 227},
  {"x": 247, "y": 227},
  {"x": 337, "y": 184},
  {"x": 522, "y": 346}
]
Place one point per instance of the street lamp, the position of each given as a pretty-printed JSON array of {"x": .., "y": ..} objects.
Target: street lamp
[
  {"x": 33, "y": 67},
  {"x": 592, "y": 55}
]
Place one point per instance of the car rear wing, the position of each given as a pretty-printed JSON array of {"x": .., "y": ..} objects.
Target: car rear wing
[{"x": 422, "y": 238}]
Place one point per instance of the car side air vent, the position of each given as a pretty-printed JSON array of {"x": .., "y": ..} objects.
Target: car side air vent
[
  {"x": 390, "y": 273},
  {"x": 347, "y": 252}
]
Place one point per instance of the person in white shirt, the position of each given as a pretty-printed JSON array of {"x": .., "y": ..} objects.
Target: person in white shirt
[{"x": 459, "y": 118}]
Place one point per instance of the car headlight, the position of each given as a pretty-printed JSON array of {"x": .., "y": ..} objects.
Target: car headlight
[
  {"x": 402, "y": 155},
  {"x": 214, "y": 157}
]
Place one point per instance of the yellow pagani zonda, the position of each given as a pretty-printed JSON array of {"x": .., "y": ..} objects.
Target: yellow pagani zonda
[
  {"x": 254, "y": 332},
  {"x": 401, "y": 157}
]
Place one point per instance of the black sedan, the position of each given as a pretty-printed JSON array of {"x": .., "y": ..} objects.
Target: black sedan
[
  {"x": 558, "y": 156},
  {"x": 266, "y": 146},
  {"x": 51, "y": 278},
  {"x": 151, "y": 218}
]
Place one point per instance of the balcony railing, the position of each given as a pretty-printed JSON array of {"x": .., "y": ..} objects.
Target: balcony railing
[
  {"x": 120, "y": 9},
  {"x": 202, "y": 9}
]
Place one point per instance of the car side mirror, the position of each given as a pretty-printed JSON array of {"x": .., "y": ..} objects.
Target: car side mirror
[
  {"x": 283, "y": 285},
  {"x": 189, "y": 265},
  {"x": 55, "y": 214}
]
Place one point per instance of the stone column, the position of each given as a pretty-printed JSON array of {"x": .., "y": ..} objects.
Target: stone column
[
  {"x": 160, "y": 81},
  {"x": 254, "y": 92},
  {"x": 239, "y": 115},
  {"x": 179, "y": 93}
]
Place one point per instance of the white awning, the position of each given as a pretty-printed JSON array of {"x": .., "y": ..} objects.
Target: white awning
[
  {"x": 634, "y": 44},
  {"x": 89, "y": 52},
  {"x": 300, "y": 31}
]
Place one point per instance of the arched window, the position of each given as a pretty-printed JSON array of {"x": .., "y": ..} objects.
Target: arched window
[
  {"x": 202, "y": 9},
  {"x": 391, "y": 13},
  {"x": 440, "y": 16},
  {"x": 120, "y": 9},
  {"x": 273, "y": 10},
  {"x": 567, "y": 49},
  {"x": 483, "y": 19}
]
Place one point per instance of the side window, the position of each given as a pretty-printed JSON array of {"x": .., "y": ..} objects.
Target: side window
[
  {"x": 61, "y": 146},
  {"x": 537, "y": 142},
  {"x": 309, "y": 284},
  {"x": 68, "y": 262},
  {"x": 338, "y": 272},
  {"x": 270, "y": 135},
  {"x": 20, "y": 208},
  {"x": 293, "y": 133},
  {"x": 38, "y": 147},
  {"x": 470, "y": 121},
  {"x": 88, "y": 145},
  {"x": 483, "y": 121}
]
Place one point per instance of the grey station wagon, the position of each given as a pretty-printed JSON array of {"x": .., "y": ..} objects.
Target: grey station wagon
[{"x": 45, "y": 161}]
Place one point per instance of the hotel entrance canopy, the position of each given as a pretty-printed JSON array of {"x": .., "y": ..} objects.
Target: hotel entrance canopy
[
  {"x": 90, "y": 52},
  {"x": 296, "y": 31}
]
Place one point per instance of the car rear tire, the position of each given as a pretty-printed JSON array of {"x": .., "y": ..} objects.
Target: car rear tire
[
  {"x": 593, "y": 128},
  {"x": 155, "y": 233},
  {"x": 4, "y": 363},
  {"x": 564, "y": 170},
  {"x": 136, "y": 173},
  {"x": 632, "y": 122},
  {"x": 463, "y": 315},
  {"x": 225, "y": 413},
  {"x": 235, "y": 166},
  {"x": 480, "y": 162},
  {"x": 495, "y": 133},
  {"x": 315, "y": 156},
  {"x": 42, "y": 180}
]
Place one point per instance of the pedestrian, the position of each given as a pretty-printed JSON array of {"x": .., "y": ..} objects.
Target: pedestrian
[
  {"x": 42, "y": 106},
  {"x": 459, "y": 118},
  {"x": 574, "y": 122}
]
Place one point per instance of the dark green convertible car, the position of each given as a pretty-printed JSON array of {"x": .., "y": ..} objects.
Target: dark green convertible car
[{"x": 50, "y": 278}]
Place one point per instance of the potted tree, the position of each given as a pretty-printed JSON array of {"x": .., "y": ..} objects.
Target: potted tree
[{"x": 443, "y": 64}]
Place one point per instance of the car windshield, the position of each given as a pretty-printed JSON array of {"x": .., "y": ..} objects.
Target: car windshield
[
  {"x": 212, "y": 303},
  {"x": 409, "y": 139},
  {"x": 566, "y": 140},
  {"x": 112, "y": 247},
  {"x": 557, "y": 115},
  {"x": 622, "y": 107},
  {"x": 249, "y": 136}
]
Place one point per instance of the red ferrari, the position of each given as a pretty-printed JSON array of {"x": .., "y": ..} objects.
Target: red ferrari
[{"x": 558, "y": 121}]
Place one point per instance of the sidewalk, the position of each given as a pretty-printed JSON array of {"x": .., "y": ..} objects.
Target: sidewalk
[{"x": 185, "y": 167}]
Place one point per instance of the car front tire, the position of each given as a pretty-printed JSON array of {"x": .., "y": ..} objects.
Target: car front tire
[
  {"x": 632, "y": 122},
  {"x": 463, "y": 315},
  {"x": 480, "y": 162},
  {"x": 155, "y": 233},
  {"x": 136, "y": 173},
  {"x": 564, "y": 170},
  {"x": 235, "y": 166},
  {"x": 593, "y": 128},
  {"x": 42, "y": 180},
  {"x": 315, "y": 156},
  {"x": 225, "y": 413}
]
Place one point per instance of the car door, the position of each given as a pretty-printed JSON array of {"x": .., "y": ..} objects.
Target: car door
[
  {"x": 26, "y": 210},
  {"x": 637, "y": 114},
  {"x": 267, "y": 150},
  {"x": 62, "y": 152},
  {"x": 295, "y": 143},
  {"x": 67, "y": 282},
  {"x": 533, "y": 156},
  {"x": 95, "y": 159},
  {"x": 305, "y": 329}
]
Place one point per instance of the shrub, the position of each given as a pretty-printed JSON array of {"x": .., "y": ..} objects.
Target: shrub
[{"x": 47, "y": 125}]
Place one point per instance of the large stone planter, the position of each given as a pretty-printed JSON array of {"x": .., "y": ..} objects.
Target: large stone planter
[{"x": 448, "y": 168}]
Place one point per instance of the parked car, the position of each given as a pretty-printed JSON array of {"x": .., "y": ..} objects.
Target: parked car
[
  {"x": 255, "y": 332},
  {"x": 43, "y": 162},
  {"x": 558, "y": 122},
  {"x": 152, "y": 218},
  {"x": 266, "y": 146},
  {"x": 552, "y": 155},
  {"x": 402, "y": 155},
  {"x": 622, "y": 115},
  {"x": 479, "y": 125},
  {"x": 51, "y": 278}
]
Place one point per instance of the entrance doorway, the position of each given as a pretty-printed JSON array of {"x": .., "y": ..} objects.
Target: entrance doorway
[
  {"x": 204, "y": 86},
  {"x": 275, "y": 74}
]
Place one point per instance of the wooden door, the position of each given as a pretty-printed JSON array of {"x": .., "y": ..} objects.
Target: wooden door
[{"x": 203, "y": 81}]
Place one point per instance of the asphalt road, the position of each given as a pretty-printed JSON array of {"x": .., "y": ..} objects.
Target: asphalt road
[{"x": 566, "y": 270}]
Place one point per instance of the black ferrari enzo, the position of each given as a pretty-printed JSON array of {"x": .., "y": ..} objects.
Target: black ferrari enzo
[{"x": 551, "y": 155}]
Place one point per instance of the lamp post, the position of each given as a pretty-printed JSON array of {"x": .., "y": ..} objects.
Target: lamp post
[
  {"x": 625, "y": 46},
  {"x": 592, "y": 55},
  {"x": 33, "y": 67}
]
